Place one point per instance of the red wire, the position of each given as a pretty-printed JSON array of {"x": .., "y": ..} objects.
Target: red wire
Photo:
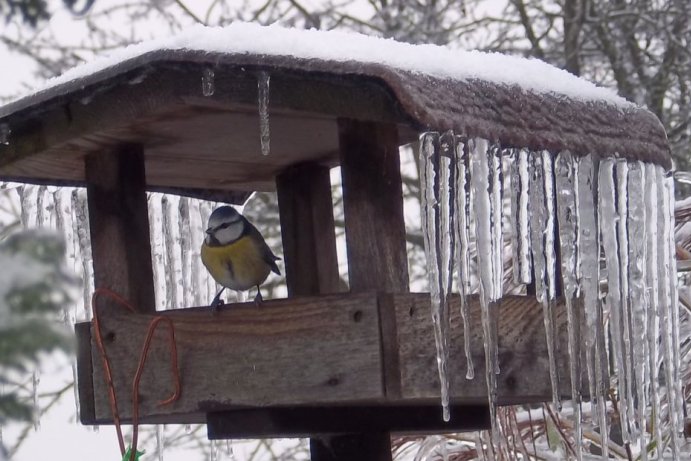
[{"x": 140, "y": 367}]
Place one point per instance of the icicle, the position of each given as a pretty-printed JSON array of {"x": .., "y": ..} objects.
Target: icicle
[
  {"x": 213, "y": 450},
  {"x": 678, "y": 420},
  {"x": 185, "y": 248},
  {"x": 637, "y": 238},
  {"x": 197, "y": 235},
  {"x": 566, "y": 174},
  {"x": 157, "y": 250},
  {"x": 188, "y": 429},
  {"x": 230, "y": 453},
  {"x": 520, "y": 180},
  {"x": 160, "y": 441},
  {"x": 588, "y": 251},
  {"x": 27, "y": 205},
  {"x": 42, "y": 217},
  {"x": 497, "y": 236},
  {"x": 480, "y": 197},
  {"x": 625, "y": 400},
  {"x": 169, "y": 253},
  {"x": 462, "y": 214},
  {"x": 436, "y": 183},
  {"x": 80, "y": 227},
  {"x": 263, "y": 96},
  {"x": 5, "y": 133},
  {"x": 652, "y": 299},
  {"x": 544, "y": 259},
  {"x": 68, "y": 313},
  {"x": 609, "y": 223},
  {"x": 666, "y": 285},
  {"x": 208, "y": 83}
]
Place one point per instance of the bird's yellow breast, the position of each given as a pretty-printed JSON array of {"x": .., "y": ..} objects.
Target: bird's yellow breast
[{"x": 238, "y": 266}]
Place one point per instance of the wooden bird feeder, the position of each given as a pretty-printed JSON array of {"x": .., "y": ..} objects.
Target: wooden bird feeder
[{"x": 322, "y": 361}]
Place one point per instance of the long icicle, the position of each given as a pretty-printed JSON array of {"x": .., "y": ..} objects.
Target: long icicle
[
  {"x": 665, "y": 284},
  {"x": 480, "y": 196},
  {"x": 637, "y": 238},
  {"x": 652, "y": 298},
  {"x": 462, "y": 214},
  {"x": 626, "y": 403},
  {"x": 567, "y": 212},
  {"x": 674, "y": 307},
  {"x": 588, "y": 249},
  {"x": 520, "y": 211},
  {"x": 436, "y": 180},
  {"x": 542, "y": 245},
  {"x": 607, "y": 208}
]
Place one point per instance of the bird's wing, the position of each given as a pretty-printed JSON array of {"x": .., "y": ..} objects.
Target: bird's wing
[{"x": 266, "y": 252}]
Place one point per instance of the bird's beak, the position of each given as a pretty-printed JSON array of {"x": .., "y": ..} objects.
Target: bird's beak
[{"x": 209, "y": 231}]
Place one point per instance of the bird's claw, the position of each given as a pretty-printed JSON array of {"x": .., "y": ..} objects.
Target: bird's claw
[{"x": 258, "y": 299}]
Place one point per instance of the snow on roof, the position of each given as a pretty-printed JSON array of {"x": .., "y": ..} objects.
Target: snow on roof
[{"x": 433, "y": 60}]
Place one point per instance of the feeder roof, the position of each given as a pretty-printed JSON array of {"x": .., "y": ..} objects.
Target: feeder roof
[{"x": 151, "y": 93}]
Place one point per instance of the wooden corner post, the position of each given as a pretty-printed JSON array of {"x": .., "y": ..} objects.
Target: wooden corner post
[
  {"x": 375, "y": 236},
  {"x": 119, "y": 223}
]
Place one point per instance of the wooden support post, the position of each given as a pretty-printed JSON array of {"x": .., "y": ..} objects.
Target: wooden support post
[
  {"x": 307, "y": 228},
  {"x": 375, "y": 236},
  {"x": 119, "y": 223},
  {"x": 373, "y": 206}
]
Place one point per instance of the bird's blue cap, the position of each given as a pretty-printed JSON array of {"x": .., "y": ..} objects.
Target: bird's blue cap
[{"x": 222, "y": 215}]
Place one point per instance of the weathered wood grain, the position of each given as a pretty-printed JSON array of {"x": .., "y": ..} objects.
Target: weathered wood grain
[
  {"x": 307, "y": 229},
  {"x": 285, "y": 352},
  {"x": 524, "y": 376},
  {"x": 321, "y": 351},
  {"x": 373, "y": 206},
  {"x": 119, "y": 224}
]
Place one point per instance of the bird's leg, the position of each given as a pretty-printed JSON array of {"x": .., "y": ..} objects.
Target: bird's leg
[
  {"x": 217, "y": 299},
  {"x": 258, "y": 299}
]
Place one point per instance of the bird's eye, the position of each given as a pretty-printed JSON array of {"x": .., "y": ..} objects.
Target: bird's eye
[{"x": 224, "y": 225}]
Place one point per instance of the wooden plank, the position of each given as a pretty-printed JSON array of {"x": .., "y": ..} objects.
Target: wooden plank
[
  {"x": 524, "y": 376},
  {"x": 286, "y": 352},
  {"x": 119, "y": 225},
  {"x": 322, "y": 351},
  {"x": 373, "y": 206},
  {"x": 309, "y": 421},
  {"x": 85, "y": 373},
  {"x": 307, "y": 228}
]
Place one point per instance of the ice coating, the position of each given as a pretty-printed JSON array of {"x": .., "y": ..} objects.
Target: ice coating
[
  {"x": 607, "y": 213},
  {"x": 652, "y": 300},
  {"x": 263, "y": 79},
  {"x": 565, "y": 177},
  {"x": 588, "y": 250},
  {"x": 520, "y": 181},
  {"x": 637, "y": 237},
  {"x": 481, "y": 199},
  {"x": 208, "y": 82},
  {"x": 626, "y": 399},
  {"x": 542, "y": 246},
  {"x": 462, "y": 214},
  {"x": 438, "y": 61},
  {"x": 437, "y": 224}
]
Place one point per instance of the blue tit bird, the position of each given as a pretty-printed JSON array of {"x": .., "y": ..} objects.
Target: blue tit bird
[{"x": 235, "y": 253}]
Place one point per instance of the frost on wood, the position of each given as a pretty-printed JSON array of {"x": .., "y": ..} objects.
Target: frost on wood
[
  {"x": 605, "y": 227},
  {"x": 263, "y": 80}
]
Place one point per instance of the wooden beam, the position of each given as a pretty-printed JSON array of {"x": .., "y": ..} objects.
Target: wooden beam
[
  {"x": 307, "y": 228},
  {"x": 309, "y": 421},
  {"x": 373, "y": 206},
  {"x": 321, "y": 351},
  {"x": 119, "y": 224},
  {"x": 85, "y": 373}
]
